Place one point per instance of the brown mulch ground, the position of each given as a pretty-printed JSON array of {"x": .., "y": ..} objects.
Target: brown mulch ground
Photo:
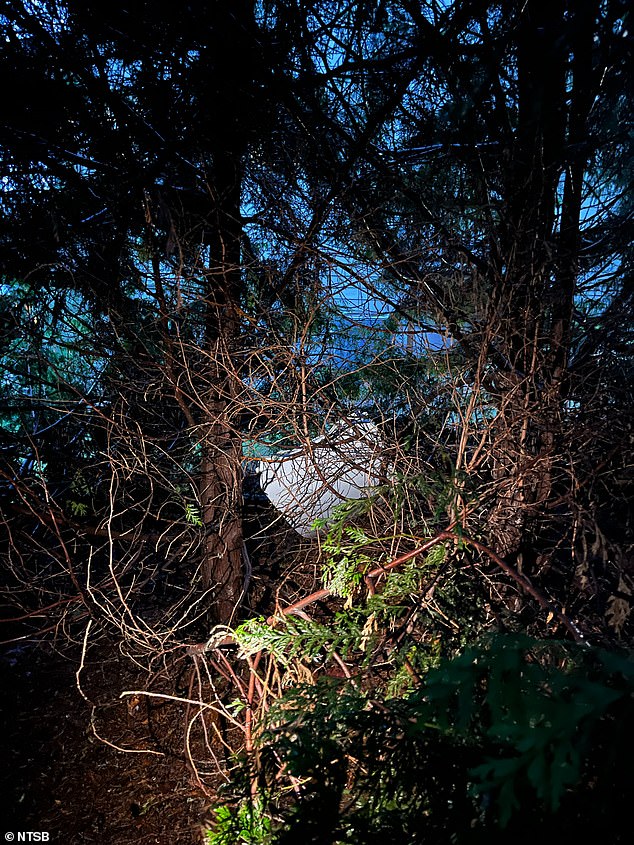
[{"x": 59, "y": 778}]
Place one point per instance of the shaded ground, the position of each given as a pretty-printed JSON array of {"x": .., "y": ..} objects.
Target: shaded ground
[{"x": 58, "y": 777}]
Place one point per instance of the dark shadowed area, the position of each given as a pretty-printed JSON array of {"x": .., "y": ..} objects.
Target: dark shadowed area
[{"x": 58, "y": 777}]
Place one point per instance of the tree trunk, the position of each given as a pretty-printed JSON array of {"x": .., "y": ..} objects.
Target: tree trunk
[
  {"x": 521, "y": 292},
  {"x": 221, "y": 467},
  {"x": 234, "y": 66}
]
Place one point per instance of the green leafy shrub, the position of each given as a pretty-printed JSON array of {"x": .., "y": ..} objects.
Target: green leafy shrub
[
  {"x": 510, "y": 736},
  {"x": 247, "y": 824}
]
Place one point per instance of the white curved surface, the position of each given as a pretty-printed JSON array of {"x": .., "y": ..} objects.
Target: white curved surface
[{"x": 307, "y": 484}]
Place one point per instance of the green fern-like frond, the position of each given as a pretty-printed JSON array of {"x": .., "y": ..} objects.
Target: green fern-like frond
[
  {"x": 347, "y": 559},
  {"x": 192, "y": 515},
  {"x": 77, "y": 508},
  {"x": 294, "y": 637}
]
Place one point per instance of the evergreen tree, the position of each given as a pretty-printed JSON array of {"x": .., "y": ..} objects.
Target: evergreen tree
[{"x": 225, "y": 227}]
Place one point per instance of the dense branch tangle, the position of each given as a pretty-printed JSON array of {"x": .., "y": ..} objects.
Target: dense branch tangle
[{"x": 242, "y": 226}]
